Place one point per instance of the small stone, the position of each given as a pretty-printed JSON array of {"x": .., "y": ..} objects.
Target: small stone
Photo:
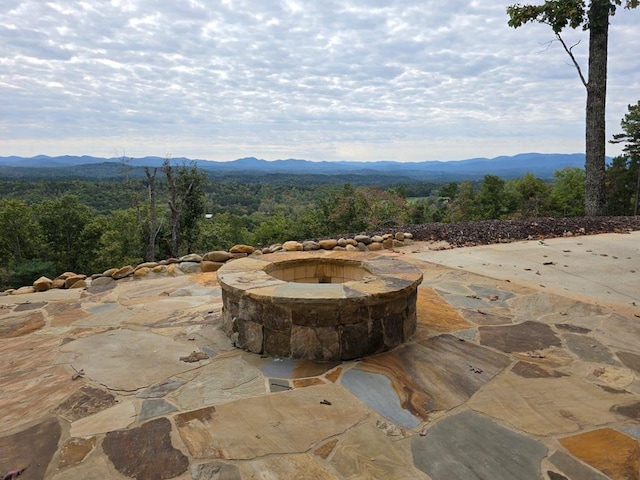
[
  {"x": 351, "y": 248},
  {"x": 342, "y": 242},
  {"x": 215, "y": 471},
  {"x": 375, "y": 246},
  {"x": 399, "y": 236},
  {"x": 377, "y": 239},
  {"x": 194, "y": 357}
]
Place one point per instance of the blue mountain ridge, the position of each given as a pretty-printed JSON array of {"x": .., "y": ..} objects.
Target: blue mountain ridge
[{"x": 540, "y": 164}]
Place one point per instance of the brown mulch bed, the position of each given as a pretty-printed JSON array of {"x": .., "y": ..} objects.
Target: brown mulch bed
[{"x": 460, "y": 234}]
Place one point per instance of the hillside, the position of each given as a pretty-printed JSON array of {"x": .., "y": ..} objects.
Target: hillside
[{"x": 256, "y": 170}]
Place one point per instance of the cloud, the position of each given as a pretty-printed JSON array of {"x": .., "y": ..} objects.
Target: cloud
[{"x": 375, "y": 79}]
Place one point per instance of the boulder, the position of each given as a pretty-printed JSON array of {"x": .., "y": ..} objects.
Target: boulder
[
  {"x": 399, "y": 236},
  {"x": 375, "y": 246},
  {"x": 366, "y": 239},
  {"x": 58, "y": 283},
  {"x": 328, "y": 244},
  {"x": 387, "y": 243},
  {"x": 122, "y": 272},
  {"x": 70, "y": 281},
  {"x": 110, "y": 272},
  {"x": 408, "y": 235},
  {"x": 192, "y": 257},
  {"x": 190, "y": 267},
  {"x": 79, "y": 284},
  {"x": 292, "y": 246},
  {"x": 351, "y": 241},
  {"x": 310, "y": 245},
  {"x": 207, "y": 266},
  {"x": 351, "y": 248},
  {"x": 102, "y": 282},
  {"x": 342, "y": 242},
  {"x": 66, "y": 275},
  {"x": 217, "y": 256},
  {"x": 42, "y": 284},
  {"x": 23, "y": 291},
  {"x": 148, "y": 265},
  {"x": 173, "y": 269},
  {"x": 141, "y": 272},
  {"x": 377, "y": 238},
  {"x": 248, "y": 249}
]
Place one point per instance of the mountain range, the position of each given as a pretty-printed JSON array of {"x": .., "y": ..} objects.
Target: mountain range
[{"x": 542, "y": 165}]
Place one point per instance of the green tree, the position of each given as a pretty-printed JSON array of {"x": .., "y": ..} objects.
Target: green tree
[
  {"x": 114, "y": 240},
  {"x": 186, "y": 203},
  {"x": 275, "y": 228},
  {"x": 463, "y": 206},
  {"x": 560, "y": 14},
  {"x": 493, "y": 200},
  {"x": 567, "y": 192},
  {"x": 20, "y": 233},
  {"x": 531, "y": 195},
  {"x": 62, "y": 221},
  {"x": 624, "y": 175}
]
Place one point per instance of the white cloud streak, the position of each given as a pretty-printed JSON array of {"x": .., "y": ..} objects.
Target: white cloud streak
[{"x": 403, "y": 80}]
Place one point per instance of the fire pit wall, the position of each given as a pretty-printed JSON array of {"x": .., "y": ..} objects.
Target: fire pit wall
[{"x": 330, "y": 306}]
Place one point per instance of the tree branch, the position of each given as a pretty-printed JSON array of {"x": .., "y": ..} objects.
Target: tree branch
[{"x": 573, "y": 58}]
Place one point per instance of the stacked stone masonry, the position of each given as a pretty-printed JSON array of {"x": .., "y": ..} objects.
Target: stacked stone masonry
[{"x": 326, "y": 306}]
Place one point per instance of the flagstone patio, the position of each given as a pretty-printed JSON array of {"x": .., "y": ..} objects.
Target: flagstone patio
[{"x": 515, "y": 372}]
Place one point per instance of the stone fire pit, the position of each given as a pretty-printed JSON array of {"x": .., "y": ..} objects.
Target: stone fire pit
[{"x": 319, "y": 306}]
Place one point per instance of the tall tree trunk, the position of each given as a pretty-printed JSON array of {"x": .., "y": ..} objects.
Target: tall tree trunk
[
  {"x": 175, "y": 213},
  {"x": 151, "y": 241},
  {"x": 595, "y": 200}
]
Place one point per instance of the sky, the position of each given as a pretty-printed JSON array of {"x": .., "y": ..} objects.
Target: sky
[{"x": 365, "y": 80}]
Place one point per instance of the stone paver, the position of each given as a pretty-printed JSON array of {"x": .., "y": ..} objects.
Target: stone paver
[
  {"x": 470, "y": 446},
  {"x": 510, "y": 375}
]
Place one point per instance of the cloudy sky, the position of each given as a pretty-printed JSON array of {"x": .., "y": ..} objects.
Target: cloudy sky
[{"x": 404, "y": 80}]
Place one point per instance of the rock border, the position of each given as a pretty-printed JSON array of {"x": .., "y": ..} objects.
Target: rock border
[{"x": 214, "y": 260}]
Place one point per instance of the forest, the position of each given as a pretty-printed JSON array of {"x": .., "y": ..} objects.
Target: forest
[
  {"x": 86, "y": 226},
  {"x": 50, "y": 225}
]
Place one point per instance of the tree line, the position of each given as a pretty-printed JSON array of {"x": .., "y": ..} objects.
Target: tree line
[
  {"x": 47, "y": 228},
  {"x": 167, "y": 216}
]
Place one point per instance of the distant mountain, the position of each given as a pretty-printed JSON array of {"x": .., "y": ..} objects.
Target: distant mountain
[{"x": 542, "y": 165}]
